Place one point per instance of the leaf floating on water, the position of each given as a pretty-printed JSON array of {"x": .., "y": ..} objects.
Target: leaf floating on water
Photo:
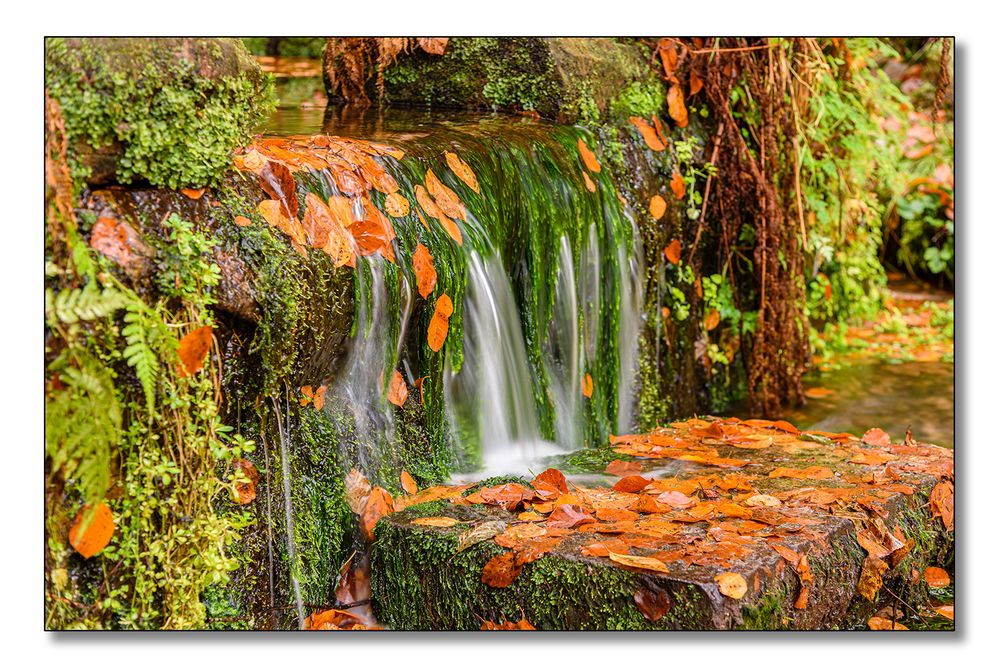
[
  {"x": 435, "y": 521},
  {"x": 501, "y": 570},
  {"x": 462, "y": 170},
  {"x": 97, "y": 530},
  {"x": 648, "y": 133},
  {"x": 731, "y": 584},
  {"x": 480, "y": 533},
  {"x": 426, "y": 274},
  {"x": 677, "y": 185},
  {"x": 408, "y": 483},
  {"x": 437, "y": 332},
  {"x": 446, "y": 198},
  {"x": 936, "y": 577},
  {"x": 244, "y": 492},
  {"x": 433, "y": 45},
  {"x": 396, "y": 205},
  {"x": 818, "y": 392},
  {"x": 620, "y": 468},
  {"x": 589, "y": 157},
  {"x": 677, "y": 109},
  {"x": 657, "y": 207},
  {"x": 653, "y": 604},
  {"x": 358, "y": 489},
  {"x": 643, "y": 562},
  {"x": 192, "y": 350},
  {"x": 397, "y": 390},
  {"x": 587, "y": 385},
  {"x": 277, "y": 181},
  {"x": 673, "y": 251}
]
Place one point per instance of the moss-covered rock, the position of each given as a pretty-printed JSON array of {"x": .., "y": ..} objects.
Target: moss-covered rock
[{"x": 166, "y": 111}]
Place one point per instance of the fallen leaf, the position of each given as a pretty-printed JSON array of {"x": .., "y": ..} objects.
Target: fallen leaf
[
  {"x": 116, "y": 239},
  {"x": 677, "y": 109},
  {"x": 631, "y": 484},
  {"x": 480, "y": 533},
  {"x": 812, "y": 472},
  {"x": 462, "y": 170},
  {"x": 763, "y": 500},
  {"x": 437, "y": 331},
  {"x": 589, "y": 157},
  {"x": 676, "y": 500},
  {"x": 870, "y": 577},
  {"x": 731, "y": 584},
  {"x": 396, "y": 205},
  {"x": 590, "y": 185},
  {"x": 653, "y": 604},
  {"x": 446, "y": 198},
  {"x": 277, "y": 181},
  {"x": 378, "y": 504},
  {"x": 274, "y": 213},
  {"x": 192, "y": 350},
  {"x": 435, "y": 521},
  {"x": 878, "y": 623},
  {"x": 620, "y": 468},
  {"x": 677, "y": 185},
  {"x": 244, "y": 492},
  {"x": 555, "y": 478},
  {"x": 358, "y": 489},
  {"x": 97, "y": 532},
  {"x": 712, "y": 319},
  {"x": 569, "y": 516},
  {"x": 818, "y": 392},
  {"x": 242, "y": 221},
  {"x": 648, "y": 133},
  {"x": 397, "y": 390},
  {"x": 587, "y": 385},
  {"x": 942, "y": 503},
  {"x": 875, "y": 437},
  {"x": 643, "y": 562},
  {"x": 433, "y": 45},
  {"x": 193, "y": 193},
  {"x": 673, "y": 251},
  {"x": 695, "y": 83},
  {"x": 946, "y": 610},
  {"x": 426, "y": 274},
  {"x": 936, "y": 577},
  {"x": 657, "y": 206}
]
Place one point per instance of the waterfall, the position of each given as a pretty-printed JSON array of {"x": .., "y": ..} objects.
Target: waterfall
[
  {"x": 562, "y": 354},
  {"x": 630, "y": 270},
  {"x": 494, "y": 389},
  {"x": 289, "y": 516}
]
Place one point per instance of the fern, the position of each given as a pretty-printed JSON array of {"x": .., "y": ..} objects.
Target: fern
[
  {"x": 83, "y": 423},
  {"x": 83, "y": 305},
  {"x": 142, "y": 329}
]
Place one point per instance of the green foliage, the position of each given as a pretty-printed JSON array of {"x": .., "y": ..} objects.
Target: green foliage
[
  {"x": 641, "y": 98},
  {"x": 304, "y": 47},
  {"x": 175, "y": 120}
]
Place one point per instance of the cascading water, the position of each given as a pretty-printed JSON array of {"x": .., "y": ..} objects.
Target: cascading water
[
  {"x": 562, "y": 354},
  {"x": 630, "y": 271}
]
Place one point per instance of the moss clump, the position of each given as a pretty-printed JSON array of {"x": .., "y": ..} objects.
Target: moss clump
[
  {"x": 641, "y": 98},
  {"x": 165, "y": 111}
]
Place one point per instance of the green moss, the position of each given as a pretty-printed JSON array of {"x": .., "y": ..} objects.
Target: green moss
[
  {"x": 168, "y": 111},
  {"x": 766, "y": 614},
  {"x": 590, "y": 460},
  {"x": 641, "y": 98}
]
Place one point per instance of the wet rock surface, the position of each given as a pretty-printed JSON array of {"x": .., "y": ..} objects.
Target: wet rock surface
[{"x": 752, "y": 527}]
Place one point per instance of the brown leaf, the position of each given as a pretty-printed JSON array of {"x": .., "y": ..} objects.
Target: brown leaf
[
  {"x": 942, "y": 503},
  {"x": 677, "y": 185},
  {"x": 408, "y": 483},
  {"x": 569, "y": 516},
  {"x": 462, "y": 170},
  {"x": 631, "y": 484},
  {"x": 695, "y": 83},
  {"x": 673, "y": 251},
  {"x": 358, "y": 489},
  {"x": 433, "y": 45},
  {"x": 501, "y": 570},
  {"x": 437, "y": 332},
  {"x": 648, "y": 133},
  {"x": 620, "y": 468},
  {"x": 97, "y": 532},
  {"x": 426, "y": 274},
  {"x": 870, "y": 577},
  {"x": 397, "y": 390},
  {"x": 666, "y": 48},
  {"x": 657, "y": 206},
  {"x": 277, "y": 181},
  {"x": 192, "y": 350},
  {"x": 731, "y": 584},
  {"x": 445, "y": 198},
  {"x": 653, "y": 604},
  {"x": 812, "y": 472},
  {"x": 642, "y": 562},
  {"x": 676, "y": 500},
  {"x": 589, "y": 157},
  {"x": 677, "y": 109},
  {"x": 245, "y": 492},
  {"x": 396, "y": 205},
  {"x": 936, "y": 577},
  {"x": 378, "y": 504},
  {"x": 480, "y": 533}
]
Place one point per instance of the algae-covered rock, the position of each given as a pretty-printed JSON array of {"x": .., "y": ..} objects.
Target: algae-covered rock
[
  {"x": 568, "y": 79},
  {"x": 166, "y": 111}
]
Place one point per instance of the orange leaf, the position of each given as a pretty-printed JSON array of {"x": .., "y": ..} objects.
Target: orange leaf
[
  {"x": 659, "y": 129},
  {"x": 666, "y": 49},
  {"x": 408, "y": 483},
  {"x": 677, "y": 109},
  {"x": 673, "y": 251},
  {"x": 648, "y": 133},
  {"x": 379, "y": 504},
  {"x": 677, "y": 185},
  {"x": 462, "y": 170},
  {"x": 731, "y": 584},
  {"x": 245, "y": 492},
  {"x": 192, "y": 350},
  {"x": 433, "y": 45},
  {"x": 695, "y": 83},
  {"x": 451, "y": 227},
  {"x": 445, "y": 197},
  {"x": 587, "y": 385},
  {"x": 274, "y": 213},
  {"x": 712, "y": 319},
  {"x": 653, "y": 604},
  {"x": 569, "y": 516},
  {"x": 396, "y": 205},
  {"x": 97, "y": 533},
  {"x": 879, "y": 623},
  {"x": 643, "y": 562},
  {"x": 397, "y": 390},
  {"x": 620, "y": 468},
  {"x": 942, "y": 503},
  {"x": 875, "y": 437},
  {"x": 555, "y": 478},
  {"x": 590, "y": 185},
  {"x": 423, "y": 266},
  {"x": 242, "y": 221},
  {"x": 501, "y": 570},
  {"x": 589, "y": 157},
  {"x": 426, "y": 201},
  {"x": 657, "y": 206},
  {"x": 192, "y": 193},
  {"x": 277, "y": 181},
  {"x": 437, "y": 332},
  {"x": 319, "y": 400},
  {"x": 631, "y": 484},
  {"x": 936, "y": 577}
]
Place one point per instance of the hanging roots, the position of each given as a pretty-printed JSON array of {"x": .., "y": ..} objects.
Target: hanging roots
[{"x": 348, "y": 61}]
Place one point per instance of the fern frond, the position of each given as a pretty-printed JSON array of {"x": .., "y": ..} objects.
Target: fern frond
[
  {"x": 85, "y": 304},
  {"x": 140, "y": 332}
]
